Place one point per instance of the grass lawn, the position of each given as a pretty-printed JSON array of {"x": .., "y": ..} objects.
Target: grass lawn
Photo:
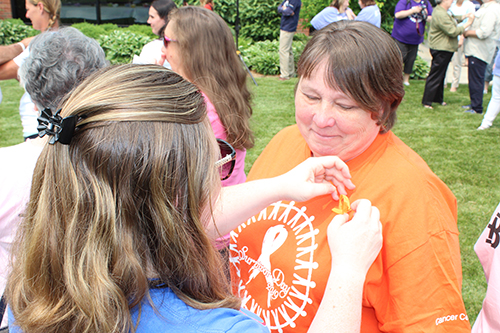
[{"x": 446, "y": 137}]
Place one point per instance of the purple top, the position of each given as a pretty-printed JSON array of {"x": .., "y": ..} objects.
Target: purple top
[{"x": 405, "y": 29}]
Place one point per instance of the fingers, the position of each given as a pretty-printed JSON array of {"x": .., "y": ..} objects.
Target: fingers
[{"x": 336, "y": 223}]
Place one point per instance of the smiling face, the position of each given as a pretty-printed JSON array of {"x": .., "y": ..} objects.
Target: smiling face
[
  {"x": 331, "y": 122},
  {"x": 37, "y": 15},
  {"x": 155, "y": 21}
]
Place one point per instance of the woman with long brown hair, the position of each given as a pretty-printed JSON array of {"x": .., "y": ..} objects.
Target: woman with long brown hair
[
  {"x": 117, "y": 236},
  {"x": 200, "y": 47}
]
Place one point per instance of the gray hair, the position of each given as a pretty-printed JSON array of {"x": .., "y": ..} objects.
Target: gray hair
[{"x": 58, "y": 61}]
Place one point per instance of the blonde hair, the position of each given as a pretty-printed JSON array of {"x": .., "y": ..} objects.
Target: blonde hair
[
  {"x": 121, "y": 209},
  {"x": 210, "y": 61},
  {"x": 52, "y": 7}
]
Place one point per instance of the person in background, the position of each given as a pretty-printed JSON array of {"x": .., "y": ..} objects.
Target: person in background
[
  {"x": 486, "y": 249},
  {"x": 290, "y": 14},
  {"x": 200, "y": 47},
  {"x": 494, "y": 104},
  {"x": 48, "y": 74},
  {"x": 408, "y": 30},
  {"x": 208, "y": 4},
  {"x": 338, "y": 10},
  {"x": 158, "y": 19},
  {"x": 350, "y": 86},
  {"x": 44, "y": 16},
  {"x": 136, "y": 206},
  {"x": 369, "y": 12},
  {"x": 459, "y": 8},
  {"x": 488, "y": 74},
  {"x": 479, "y": 48},
  {"x": 443, "y": 43}
]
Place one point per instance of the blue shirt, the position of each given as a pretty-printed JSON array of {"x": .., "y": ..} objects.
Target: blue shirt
[
  {"x": 174, "y": 316},
  {"x": 370, "y": 14},
  {"x": 327, "y": 16},
  {"x": 289, "y": 14}
]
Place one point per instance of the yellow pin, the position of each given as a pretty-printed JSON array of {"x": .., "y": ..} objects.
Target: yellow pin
[{"x": 344, "y": 205}]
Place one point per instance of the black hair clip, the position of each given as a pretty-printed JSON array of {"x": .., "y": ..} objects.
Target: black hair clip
[{"x": 61, "y": 129}]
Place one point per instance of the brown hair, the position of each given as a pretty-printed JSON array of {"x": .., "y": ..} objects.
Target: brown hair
[
  {"x": 121, "y": 209},
  {"x": 367, "y": 3},
  {"x": 337, "y": 3},
  {"x": 52, "y": 7},
  {"x": 210, "y": 61},
  {"x": 363, "y": 62}
]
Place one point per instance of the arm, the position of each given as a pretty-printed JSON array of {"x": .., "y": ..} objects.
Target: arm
[
  {"x": 448, "y": 26},
  {"x": 9, "y": 52},
  {"x": 405, "y": 13},
  {"x": 350, "y": 14},
  {"x": 353, "y": 252},
  {"x": 311, "y": 178},
  {"x": 8, "y": 70},
  {"x": 486, "y": 27}
]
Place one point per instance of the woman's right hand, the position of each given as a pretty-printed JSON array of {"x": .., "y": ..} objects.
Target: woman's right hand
[{"x": 355, "y": 244}]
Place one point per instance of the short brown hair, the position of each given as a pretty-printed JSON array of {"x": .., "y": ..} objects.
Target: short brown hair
[
  {"x": 368, "y": 2},
  {"x": 363, "y": 62}
]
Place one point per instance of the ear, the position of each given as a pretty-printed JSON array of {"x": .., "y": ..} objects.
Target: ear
[{"x": 40, "y": 7}]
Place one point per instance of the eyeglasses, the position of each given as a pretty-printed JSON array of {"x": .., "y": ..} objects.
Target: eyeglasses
[
  {"x": 228, "y": 160},
  {"x": 167, "y": 40}
]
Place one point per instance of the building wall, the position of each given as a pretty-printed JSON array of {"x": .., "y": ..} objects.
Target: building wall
[{"x": 5, "y": 10}]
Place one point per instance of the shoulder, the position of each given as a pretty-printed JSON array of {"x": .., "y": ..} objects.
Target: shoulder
[
  {"x": 285, "y": 151},
  {"x": 173, "y": 315}
]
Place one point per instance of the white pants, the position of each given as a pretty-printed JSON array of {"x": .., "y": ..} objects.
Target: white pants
[
  {"x": 494, "y": 104},
  {"x": 287, "y": 66},
  {"x": 456, "y": 65}
]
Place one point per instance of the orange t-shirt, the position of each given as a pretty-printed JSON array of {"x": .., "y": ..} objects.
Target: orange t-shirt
[{"x": 281, "y": 259}]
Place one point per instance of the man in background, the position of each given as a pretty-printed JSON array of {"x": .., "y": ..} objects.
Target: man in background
[{"x": 289, "y": 10}]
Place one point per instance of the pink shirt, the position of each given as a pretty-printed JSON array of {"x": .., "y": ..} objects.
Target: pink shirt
[
  {"x": 487, "y": 247},
  {"x": 18, "y": 163},
  {"x": 238, "y": 176}
]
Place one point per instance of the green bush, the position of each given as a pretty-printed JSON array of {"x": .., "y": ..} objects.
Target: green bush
[
  {"x": 263, "y": 56},
  {"x": 14, "y": 30},
  {"x": 420, "y": 69},
  {"x": 141, "y": 29},
  {"x": 121, "y": 45},
  {"x": 90, "y": 30}
]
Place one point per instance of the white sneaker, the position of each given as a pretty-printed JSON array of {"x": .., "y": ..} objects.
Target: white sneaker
[
  {"x": 406, "y": 83},
  {"x": 483, "y": 127}
]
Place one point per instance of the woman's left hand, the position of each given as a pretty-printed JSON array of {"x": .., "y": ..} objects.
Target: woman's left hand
[{"x": 314, "y": 177}]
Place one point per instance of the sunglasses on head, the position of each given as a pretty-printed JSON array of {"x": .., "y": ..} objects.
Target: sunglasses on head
[
  {"x": 227, "y": 161},
  {"x": 167, "y": 40}
]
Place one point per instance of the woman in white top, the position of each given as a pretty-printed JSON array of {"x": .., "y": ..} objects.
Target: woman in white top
[{"x": 158, "y": 19}]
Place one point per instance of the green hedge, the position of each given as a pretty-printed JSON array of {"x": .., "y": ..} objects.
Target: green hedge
[{"x": 14, "y": 30}]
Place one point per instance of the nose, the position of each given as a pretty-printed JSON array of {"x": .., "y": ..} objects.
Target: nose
[{"x": 324, "y": 115}]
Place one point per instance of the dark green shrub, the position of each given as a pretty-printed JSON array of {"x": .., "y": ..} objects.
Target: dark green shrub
[
  {"x": 90, "y": 30},
  {"x": 14, "y": 30},
  {"x": 141, "y": 29},
  {"x": 263, "y": 56},
  {"x": 121, "y": 45},
  {"x": 420, "y": 69}
]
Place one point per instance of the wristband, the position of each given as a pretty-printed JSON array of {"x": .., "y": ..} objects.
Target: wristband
[{"x": 22, "y": 45}]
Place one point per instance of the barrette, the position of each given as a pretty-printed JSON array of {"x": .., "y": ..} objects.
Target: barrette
[{"x": 61, "y": 129}]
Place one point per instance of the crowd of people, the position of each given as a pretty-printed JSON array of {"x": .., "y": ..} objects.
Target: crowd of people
[{"x": 119, "y": 215}]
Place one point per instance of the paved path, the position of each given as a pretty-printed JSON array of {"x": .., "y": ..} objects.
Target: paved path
[{"x": 424, "y": 53}]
